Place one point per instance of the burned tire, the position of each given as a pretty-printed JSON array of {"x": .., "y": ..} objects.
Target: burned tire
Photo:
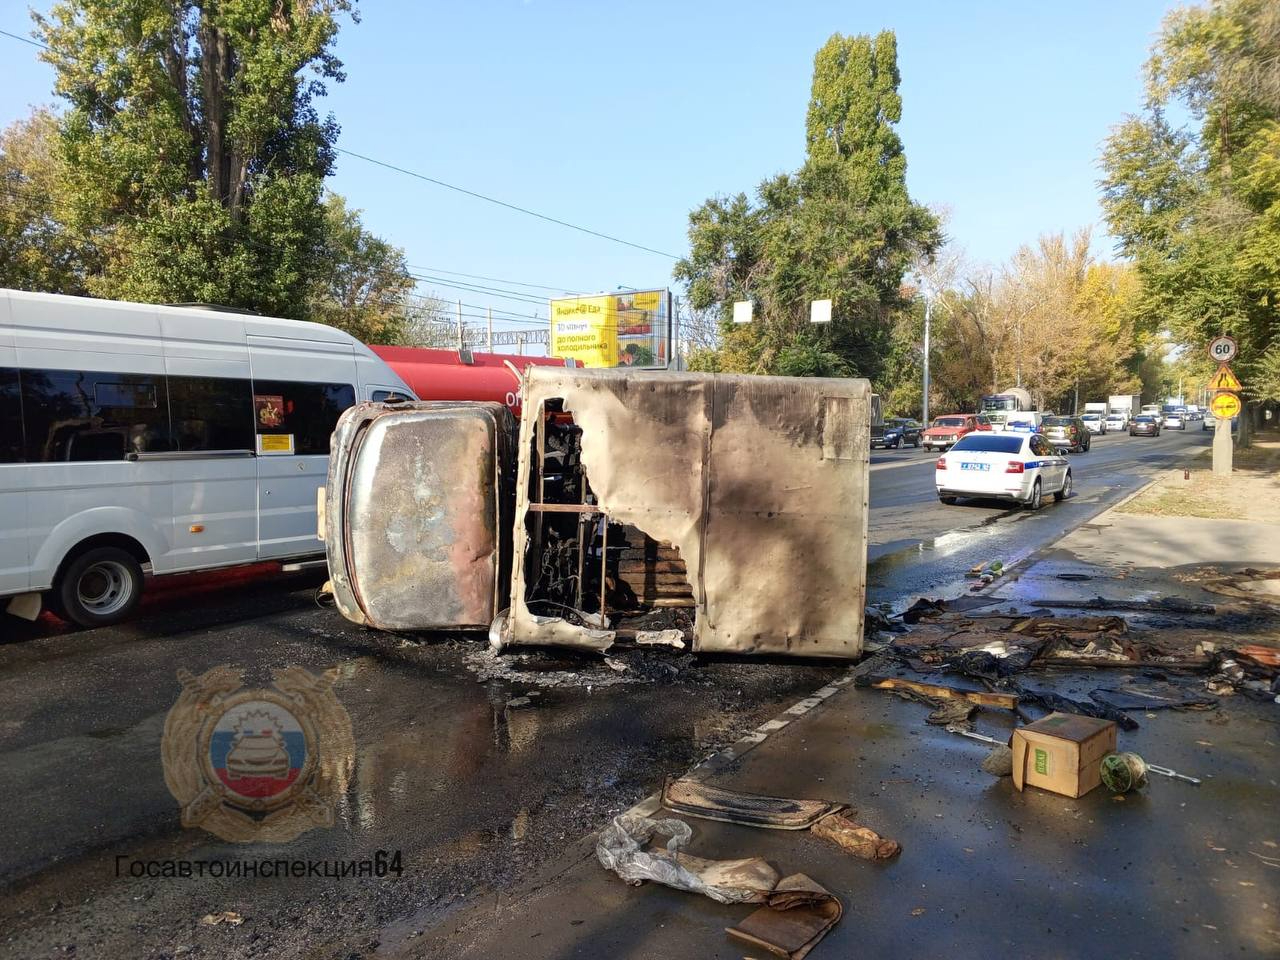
[{"x": 99, "y": 587}]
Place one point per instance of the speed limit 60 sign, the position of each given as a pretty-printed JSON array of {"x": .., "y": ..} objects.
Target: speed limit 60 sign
[{"x": 1223, "y": 349}]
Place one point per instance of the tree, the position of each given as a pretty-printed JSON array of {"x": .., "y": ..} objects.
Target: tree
[
  {"x": 193, "y": 156},
  {"x": 1199, "y": 210},
  {"x": 841, "y": 228},
  {"x": 36, "y": 253},
  {"x": 363, "y": 285}
]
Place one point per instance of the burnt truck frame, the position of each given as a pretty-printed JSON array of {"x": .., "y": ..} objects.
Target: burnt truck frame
[{"x": 730, "y": 508}]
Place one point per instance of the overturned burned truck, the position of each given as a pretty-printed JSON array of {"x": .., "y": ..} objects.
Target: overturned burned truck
[{"x": 732, "y": 509}]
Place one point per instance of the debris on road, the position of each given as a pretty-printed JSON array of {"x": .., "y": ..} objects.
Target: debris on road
[
  {"x": 1123, "y": 772},
  {"x": 622, "y": 849},
  {"x": 799, "y": 913},
  {"x": 670, "y": 638},
  {"x": 999, "y": 762},
  {"x": 797, "y": 910},
  {"x": 1161, "y": 604},
  {"x": 697, "y": 799},
  {"x": 487, "y": 664},
  {"x": 1004, "y": 701},
  {"x": 1058, "y": 703},
  {"x": 854, "y": 838},
  {"x": 1152, "y": 695},
  {"x": 229, "y": 917},
  {"x": 823, "y": 818},
  {"x": 1062, "y": 753}
]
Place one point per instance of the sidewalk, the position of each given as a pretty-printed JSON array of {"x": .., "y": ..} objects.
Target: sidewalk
[{"x": 1175, "y": 871}]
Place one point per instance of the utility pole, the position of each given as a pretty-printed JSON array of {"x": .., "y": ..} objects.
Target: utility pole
[
  {"x": 491, "y": 329},
  {"x": 520, "y": 344},
  {"x": 928, "y": 318},
  {"x": 460, "y": 341}
]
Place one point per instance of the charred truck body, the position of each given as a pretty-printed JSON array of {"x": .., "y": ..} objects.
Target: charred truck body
[{"x": 730, "y": 508}]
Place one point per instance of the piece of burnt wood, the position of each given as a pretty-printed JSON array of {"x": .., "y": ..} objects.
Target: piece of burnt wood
[{"x": 1005, "y": 701}]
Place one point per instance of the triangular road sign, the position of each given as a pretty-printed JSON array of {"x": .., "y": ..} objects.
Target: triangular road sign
[{"x": 1224, "y": 379}]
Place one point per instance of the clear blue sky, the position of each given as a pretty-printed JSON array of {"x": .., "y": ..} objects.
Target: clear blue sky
[{"x": 624, "y": 116}]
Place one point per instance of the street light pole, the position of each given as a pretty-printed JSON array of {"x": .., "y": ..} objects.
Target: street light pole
[{"x": 928, "y": 317}]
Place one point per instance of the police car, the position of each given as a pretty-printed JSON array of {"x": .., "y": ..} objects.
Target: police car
[{"x": 1004, "y": 466}]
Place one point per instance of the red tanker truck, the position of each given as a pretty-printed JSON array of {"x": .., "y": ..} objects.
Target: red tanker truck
[{"x": 435, "y": 374}]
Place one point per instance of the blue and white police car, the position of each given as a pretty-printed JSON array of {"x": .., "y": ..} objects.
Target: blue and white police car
[{"x": 1003, "y": 466}]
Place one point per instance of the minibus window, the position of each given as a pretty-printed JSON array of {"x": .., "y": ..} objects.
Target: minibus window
[
  {"x": 306, "y": 412},
  {"x": 211, "y": 413},
  {"x": 67, "y": 418},
  {"x": 11, "y": 442}
]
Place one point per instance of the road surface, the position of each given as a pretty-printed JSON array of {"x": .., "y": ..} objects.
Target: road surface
[{"x": 475, "y": 791}]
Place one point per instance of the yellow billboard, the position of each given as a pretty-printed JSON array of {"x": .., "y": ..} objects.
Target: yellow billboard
[{"x": 631, "y": 329}]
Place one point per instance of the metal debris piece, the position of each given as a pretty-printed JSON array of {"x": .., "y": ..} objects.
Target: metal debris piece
[
  {"x": 696, "y": 799},
  {"x": 854, "y": 838}
]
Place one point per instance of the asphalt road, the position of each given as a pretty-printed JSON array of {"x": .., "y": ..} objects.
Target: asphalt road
[{"x": 477, "y": 791}]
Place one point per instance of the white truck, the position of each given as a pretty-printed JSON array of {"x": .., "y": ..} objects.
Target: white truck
[
  {"x": 1125, "y": 404},
  {"x": 1000, "y": 406}
]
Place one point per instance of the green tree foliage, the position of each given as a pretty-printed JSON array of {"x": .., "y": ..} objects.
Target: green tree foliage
[
  {"x": 842, "y": 228},
  {"x": 364, "y": 284},
  {"x": 194, "y": 158},
  {"x": 35, "y": 251},
  {"x": 1199, "y": 210}
]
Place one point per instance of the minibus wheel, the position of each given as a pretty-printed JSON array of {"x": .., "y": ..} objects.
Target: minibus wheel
[{"x": 99, "y": 587}]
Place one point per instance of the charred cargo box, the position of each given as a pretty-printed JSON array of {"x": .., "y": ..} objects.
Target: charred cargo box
[
  {"x": 731, "y": 508},
  {"x": 418, "y": 514}
]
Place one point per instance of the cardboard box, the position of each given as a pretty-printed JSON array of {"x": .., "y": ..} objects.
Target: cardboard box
[{"x": 1062, "y": 753}]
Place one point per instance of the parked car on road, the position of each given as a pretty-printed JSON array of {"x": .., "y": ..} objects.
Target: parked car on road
[
  {"x": 947, "y": 430},
  {"x": 1003, "y": 466},
  {"x": 1069, "y": 432},
  {"x": 1145, "y": 425},
  {"x": 1095, "y": 422},
  {"x": 897, "y": 432},
  {"x": 1211, "y": 423}
]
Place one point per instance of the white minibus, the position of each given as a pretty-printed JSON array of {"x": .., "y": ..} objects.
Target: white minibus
[{"x": 164, "y": 438}]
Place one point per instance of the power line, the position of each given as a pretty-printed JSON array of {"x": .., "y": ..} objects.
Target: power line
[
  {"x": 476, "y": 276},
  {"x": 34, "y": 43},
  {"x": 451, "y": 186},
  {"x": 503, "y": 203}
]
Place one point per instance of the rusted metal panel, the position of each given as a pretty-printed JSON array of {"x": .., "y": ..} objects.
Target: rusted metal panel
[
  {"x": 417, "y": 531},
  {"x": 759, "y": 483}
]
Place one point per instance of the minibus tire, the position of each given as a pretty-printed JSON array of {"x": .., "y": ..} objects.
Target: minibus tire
[{"x": 99, "y": 587}]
